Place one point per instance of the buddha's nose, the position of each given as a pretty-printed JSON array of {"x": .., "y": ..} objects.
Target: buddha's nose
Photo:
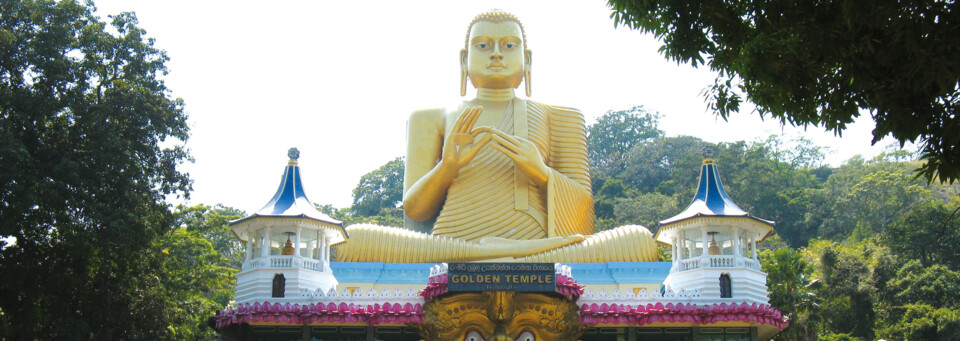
[{"x": 496, "y": 55}]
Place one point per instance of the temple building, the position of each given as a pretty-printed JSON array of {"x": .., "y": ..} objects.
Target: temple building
[
  {"x": 498, "y": 241},
  {"x": 289, "y": 289}
]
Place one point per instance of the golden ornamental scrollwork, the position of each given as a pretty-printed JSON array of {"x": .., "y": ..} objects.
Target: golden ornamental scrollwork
[{"x": 501, "y": 316}]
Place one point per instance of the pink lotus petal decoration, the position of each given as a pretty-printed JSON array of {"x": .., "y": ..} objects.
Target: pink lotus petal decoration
[
  {"x": 318, "y": 313},
  {"x": 680, "y": 312}
]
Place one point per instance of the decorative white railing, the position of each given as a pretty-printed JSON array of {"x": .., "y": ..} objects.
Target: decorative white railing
[
  {"x": 722, "y": 261},
  {"x": 283, "y": 262},
  {"x": 689, "y": 264},
  {"x": 750, "y": 263}
]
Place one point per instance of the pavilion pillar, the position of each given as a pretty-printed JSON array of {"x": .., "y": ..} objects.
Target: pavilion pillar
[
  {"x": 250, "y": 239},
  {"x": 296, "y": 247},
  {"x": 265, "y": 245},
  {"x": 706, "y": 247},
  {"x": 326, "y": 252},
  {"x": 676, "y": 252},
  {"x": 736, "y": 242}
]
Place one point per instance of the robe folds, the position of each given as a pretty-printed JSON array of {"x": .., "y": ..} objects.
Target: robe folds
[{"x": 490, "y": 197}]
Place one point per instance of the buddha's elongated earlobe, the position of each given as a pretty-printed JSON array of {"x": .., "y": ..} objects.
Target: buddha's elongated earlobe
[
  {"x": 463, "y": 72},
  {"x": 527, "y": 79}
]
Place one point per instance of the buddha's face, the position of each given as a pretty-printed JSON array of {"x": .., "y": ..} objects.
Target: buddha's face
[{"x": 494, "y": 57}]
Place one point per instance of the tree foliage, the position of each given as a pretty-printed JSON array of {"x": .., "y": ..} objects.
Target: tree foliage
[
  {"x": 376, "y": 199},
  {"x": 927, "y": 233},
  {"x": 212, "y": 224},
  {"x": 793, "y": 291},
  {"x": 380, "y": 191},
  {"x": 658, "y": 175},
  {"x": 878, "y": 263},
  {"x": 194, "y": 279},
  {"x": 824, "y": 63},
  {"x": 83, "y": 115},
  {"x": 615, "y": 133}
]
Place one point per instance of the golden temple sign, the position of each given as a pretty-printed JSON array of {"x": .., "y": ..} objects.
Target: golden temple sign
[{"x": 521, "y": 277}]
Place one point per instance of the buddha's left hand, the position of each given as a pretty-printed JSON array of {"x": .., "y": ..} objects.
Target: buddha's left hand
[{"x": 524, "y": 153}]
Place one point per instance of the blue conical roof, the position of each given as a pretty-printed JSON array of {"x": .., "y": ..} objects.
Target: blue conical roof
[
  {"x": 711, "y": 199},
  {"x": 291, "y": 201}
]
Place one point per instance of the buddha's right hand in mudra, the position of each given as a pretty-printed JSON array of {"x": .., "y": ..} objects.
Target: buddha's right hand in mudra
[{"x": 499, "y": 177}]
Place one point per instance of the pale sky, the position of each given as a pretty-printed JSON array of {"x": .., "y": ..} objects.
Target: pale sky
[{"x": 338, "y": 79}]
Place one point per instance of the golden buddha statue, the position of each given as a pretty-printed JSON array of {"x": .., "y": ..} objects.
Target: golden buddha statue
[{"x": 499, "y": 177}]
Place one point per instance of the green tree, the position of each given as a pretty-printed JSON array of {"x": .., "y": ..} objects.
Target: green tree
[
  {"x": 193, "y": 275},
  {"x": 864, "y": 197},
  {"x": 793, "y": 292},
  {"x": 83, "y": 116},
  {"x": 645, "y": 209},
  {"x": 921, "y": 303},
  {"x": 927, "y": 233},
  {"x": 824, "y": 63},
  {"x": 769, "y": 178},
  {"x": 850, "y": 278},
  {"x": 212, "y": 224},
  {"x": 616, "y": 132},
  {"x": 380, "y": 191},
  {"x": 923, "y": 322},
  {"x": 655, "y": 165},
  {"x": 341, "y": 214}
]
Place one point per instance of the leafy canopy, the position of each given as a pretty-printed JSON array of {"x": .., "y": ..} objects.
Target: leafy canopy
[
  {"x": 824, "y": 63},
  {"x": 83, "y": 115},
  {"x": 616, "y": 132}
]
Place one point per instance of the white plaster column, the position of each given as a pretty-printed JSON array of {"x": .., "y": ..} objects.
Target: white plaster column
[
  {"x": 753, "y": 245},
  {"x": 736, "y": 241},
  {"x": 706, "y": 247},
  {"x": 681, "y": 244},
  {"x": 676, "y": 251},
  {"x": 318, "y": 241},
  {"x": 326, "y": 252},
  {"x": 265, "y": 245},
  {"x": 312, "y": 249},
  {"x": 296, "y": 247},
  {"x": 250, "y": 239}
]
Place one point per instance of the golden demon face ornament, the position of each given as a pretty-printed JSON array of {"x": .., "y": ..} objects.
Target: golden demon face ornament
[{"x": 501, "y": 316}]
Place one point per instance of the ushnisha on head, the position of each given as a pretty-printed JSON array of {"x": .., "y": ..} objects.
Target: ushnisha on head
[{"x": 495, "y": 54}]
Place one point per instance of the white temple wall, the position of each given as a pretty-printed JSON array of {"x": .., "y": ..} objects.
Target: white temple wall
[
  {"x": 747, "y": 285},
  {"x": 257, "y": 284}
]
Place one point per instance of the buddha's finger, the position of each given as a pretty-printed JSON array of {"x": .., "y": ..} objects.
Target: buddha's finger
[
  {"x": 500, "y": 133},
  {"x": 510, "y": 151},
  {"x": 507, "y": 141},
  {"x": 481, "y": 130},
  {"x": 476, "y": 133},
  {"x": 504, "y": 144},
  {"x": 516, "y": 140},
  {"x": 459, "y": 125},
  {"x": 474, "y": 116},
  {"x": 506, "y": 151}
]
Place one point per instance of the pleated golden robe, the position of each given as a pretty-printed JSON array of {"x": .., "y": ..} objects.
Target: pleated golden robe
[{"x": 490, "y": 197}]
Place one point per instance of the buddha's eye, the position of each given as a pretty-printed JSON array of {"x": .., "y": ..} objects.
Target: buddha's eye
[
  {"x": 483, "y": 46},
  {"x": 511, "y": 45}
]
